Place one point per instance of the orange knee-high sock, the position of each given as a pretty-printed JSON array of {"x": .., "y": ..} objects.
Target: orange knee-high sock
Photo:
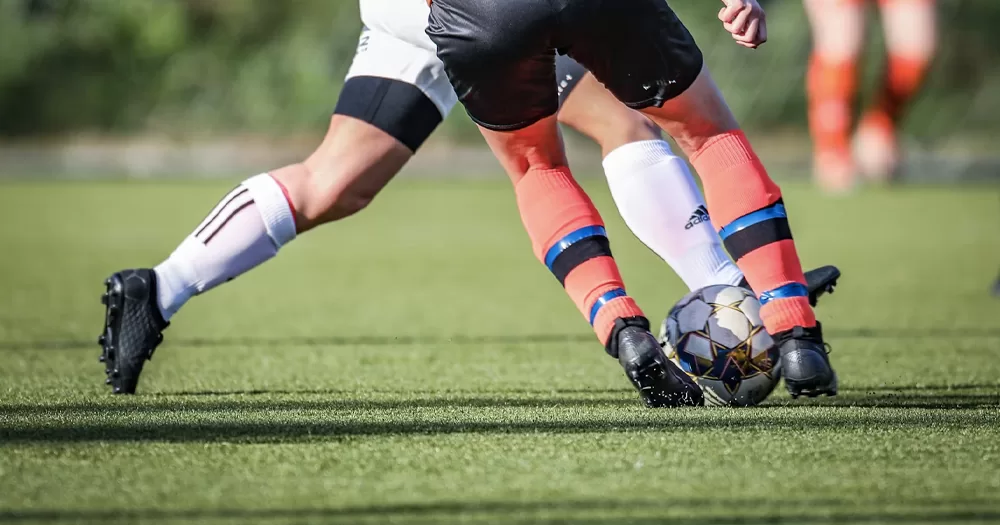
[
  {"x": 747, "y": 204},
  {"x": 903, "y": 78},
  {"x": 567, "y": 235},
  {"x": 831, "y": 88}
]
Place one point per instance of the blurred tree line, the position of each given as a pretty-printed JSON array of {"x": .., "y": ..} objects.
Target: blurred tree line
[{"x": 275, "y": 66}]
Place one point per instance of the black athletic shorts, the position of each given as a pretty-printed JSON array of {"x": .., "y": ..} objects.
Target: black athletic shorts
[{"x": 500, "y": 54}]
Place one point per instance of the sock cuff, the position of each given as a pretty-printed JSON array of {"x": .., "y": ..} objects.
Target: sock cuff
[
  {"x": 636, "y": 156},
  {"x": 723, "y": 152},
  {"x": 904, "y": 73},
  {"x": 536, "y": 180},
  {"x": 269, "y": 197},
  {"x": 832, "y": 77}
]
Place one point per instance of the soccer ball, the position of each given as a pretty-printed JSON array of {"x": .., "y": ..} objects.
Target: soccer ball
[{"x": 716, "y": 336}]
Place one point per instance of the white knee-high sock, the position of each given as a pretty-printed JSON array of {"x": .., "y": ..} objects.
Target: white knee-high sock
[
  {"x": 248, "y": 227},
  {"x": 657, "y": 196}
]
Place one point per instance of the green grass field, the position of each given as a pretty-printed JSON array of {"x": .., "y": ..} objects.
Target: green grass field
[{"x": 415, "y": 364}]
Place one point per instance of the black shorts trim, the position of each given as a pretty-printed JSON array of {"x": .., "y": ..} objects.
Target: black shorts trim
[
  {"x": 671, "y": 89},
  {"x": 569, "y": 73},
  {"x": 506, "y": 127},
  {"x": 393, "y": 106}
]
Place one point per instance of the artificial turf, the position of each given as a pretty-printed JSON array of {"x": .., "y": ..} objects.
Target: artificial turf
[{"x": 415, "y": 364}]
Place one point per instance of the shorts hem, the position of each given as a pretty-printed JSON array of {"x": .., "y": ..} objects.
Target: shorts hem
[
  {"x": 672, "y": 91},
  {"x": 507, "y": 127}
]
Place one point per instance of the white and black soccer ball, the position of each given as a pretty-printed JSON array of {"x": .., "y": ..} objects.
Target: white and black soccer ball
[{"x": 715, "y": 335}]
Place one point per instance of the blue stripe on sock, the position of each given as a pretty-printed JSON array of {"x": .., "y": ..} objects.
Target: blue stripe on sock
[
  {"x": 569, "y": 239},
  {"x": 772, "y": 212},
  {"x": 602, "y": 300},
  {"x": 784, "y": 292}
]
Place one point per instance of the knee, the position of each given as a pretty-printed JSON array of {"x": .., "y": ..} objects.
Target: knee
[
  {"x": 322, "y": 194},
  {"x": 334, "y": 194}
]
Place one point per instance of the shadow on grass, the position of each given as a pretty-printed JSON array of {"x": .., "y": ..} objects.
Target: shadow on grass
[
  {"x": 262, "y": 421},
  {"x": 898, "y": 399},
  {"x": 460, "y": 340},
  {"x": 263, "y": 401},
  {"x": 577, "y": 511},
  {"x": 347, "y": 401}
]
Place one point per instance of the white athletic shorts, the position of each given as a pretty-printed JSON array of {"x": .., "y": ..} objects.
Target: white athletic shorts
[{"x": 396, "y": 81}]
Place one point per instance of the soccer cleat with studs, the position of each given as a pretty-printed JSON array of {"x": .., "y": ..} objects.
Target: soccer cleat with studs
[
  {"x": 819, "y": 281},
  {"x": 805, "y": 363},
  {"x": 659, "y": 381},
  {"x": 133, "y": 327}
]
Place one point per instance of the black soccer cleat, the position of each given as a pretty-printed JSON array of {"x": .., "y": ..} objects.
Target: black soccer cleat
[
  {"x": 996, "y": 288},
  {"x": 659, "y": 382},
  {"x": 133, "y": 327},
  {"x": 820, "y": 281},
  {"x": 805, "y": 364}
]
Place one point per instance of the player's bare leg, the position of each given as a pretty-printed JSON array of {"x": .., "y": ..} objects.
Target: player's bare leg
[
  {"x": 838, "y": 32},
  {"x": 653, "y": 188},
  {"x": 747, "y": 207},
  {"x": 910, "y": 40},
  {"x": 592, "y": 110},
  {"x": 567, "y": 235},
  {"x": 354, "y": 162},
  {"x": 247, "y": 228},
  {"x": 394, "y": 96}
]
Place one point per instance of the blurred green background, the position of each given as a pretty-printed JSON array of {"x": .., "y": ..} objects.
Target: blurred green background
[
  {"x": 187, "y": 69},
  {"x": 124, "y": 66}
]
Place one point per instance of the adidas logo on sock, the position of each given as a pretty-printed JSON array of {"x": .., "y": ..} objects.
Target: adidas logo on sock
[{"x": 699, "y": 216}]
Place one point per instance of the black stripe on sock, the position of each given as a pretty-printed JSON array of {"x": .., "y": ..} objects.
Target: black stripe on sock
[
  {"x": 231, "y": 215},
  {"x": 578, "y": 253},
  {"x": 230, "y": 197},
  {"x": 757, "y": 236}
]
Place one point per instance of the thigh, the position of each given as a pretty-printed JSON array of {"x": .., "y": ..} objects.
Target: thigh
[
  {"x": 838, "y": 28},
  {"x": 910, "y": 27},
  {"x": 499, "y": 58},
  {"x": 397, "y": 87},
  {"x": 638, "y": 49}
]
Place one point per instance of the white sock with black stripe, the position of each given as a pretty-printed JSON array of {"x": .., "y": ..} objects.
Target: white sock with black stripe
[{"x": 248, "y": 227}]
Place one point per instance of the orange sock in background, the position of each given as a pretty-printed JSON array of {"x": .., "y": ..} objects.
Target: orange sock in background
[
  {"x": 568, "y": 236},
  {"x": 831, "y": 89},
  {"x": 903, "y": 78},
  {"x": 747, "y": 204}
]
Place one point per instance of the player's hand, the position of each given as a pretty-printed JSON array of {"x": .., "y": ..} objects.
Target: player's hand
[{"x": 744, "y": 19}]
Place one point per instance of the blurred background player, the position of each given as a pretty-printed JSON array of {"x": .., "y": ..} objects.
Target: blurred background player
[
  {"x": 394, "y": 97},
  {"x": 838, "y": 29}
]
